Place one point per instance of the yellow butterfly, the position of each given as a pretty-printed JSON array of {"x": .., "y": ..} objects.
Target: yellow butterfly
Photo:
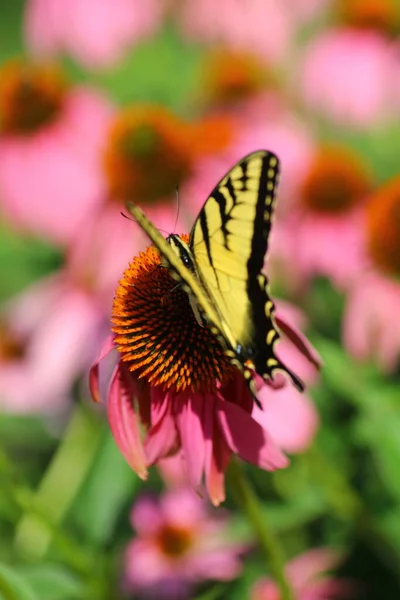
[{"x": 221, "y": 266}]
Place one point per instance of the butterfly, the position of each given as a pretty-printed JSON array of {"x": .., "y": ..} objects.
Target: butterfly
[{"x": 221, "y": 266}]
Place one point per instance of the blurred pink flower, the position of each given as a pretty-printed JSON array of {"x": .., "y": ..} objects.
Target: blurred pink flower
[
  {"x": 182, "y": 401},
  {"x": 50, "y": 177},
  {"x": 178, "y": 543},
  {"x": 269, "y": 126},
  {"x": 327, "y": 206},
  {"x": 95, "y": 32},
  {"x": 307, "y": 575},
  {"x": 48, "y": 336},
  {"x": 265, "y": 27},
  {"x": 351, "y": 76},
  {"x": 288, "y": 415},
  {"x": 368, "y": 329},
  {"x": 52, "y": 330}
]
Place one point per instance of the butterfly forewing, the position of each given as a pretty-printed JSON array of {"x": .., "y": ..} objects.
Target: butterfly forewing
[{"x": 229, "y": 241}]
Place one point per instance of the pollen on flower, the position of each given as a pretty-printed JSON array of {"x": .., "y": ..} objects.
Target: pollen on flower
[
  {"x": 380, "y": 15},
  {"x": 31, "y": 95},
  {"x": 336, "y": 181},
  {"x": 157, "y": 333},
  {"x": 232, "y": 76},
  {"x": 147, "y": 154},
  {"x": 383, "y": 227}
]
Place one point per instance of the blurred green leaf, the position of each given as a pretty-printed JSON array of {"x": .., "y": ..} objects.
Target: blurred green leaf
[
  {"x": 10, "y": 28},
  {"x": 31, "y": 258},
  {"x": 60, "y": 485},
  {"x": 13, "y": 586},
  {"x": 163, "y": 70},
  {"x": 109, "y": 486},
  {"x": 53, "y": 582}
]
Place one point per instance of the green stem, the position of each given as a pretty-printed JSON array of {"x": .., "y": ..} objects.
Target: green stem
[
  {"x": 269, "y": 543},
  {"x": 45, "y": 509}
]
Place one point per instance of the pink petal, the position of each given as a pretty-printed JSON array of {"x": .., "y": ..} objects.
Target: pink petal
[
  {"x": 124, "y": 422},
  {"x": 146, "y": 517},
  {"x": 289, "y": 417},
  {"x": 105, "y": 349},
  {"x": 247, "y": 438},
  {"x": 300, "y": 341},
  {"x": 162, "y": 438},
  {"x": 311, "y": 564},
  {"x": 217, "y": 456},
  {"x": 189, "y": 420}
]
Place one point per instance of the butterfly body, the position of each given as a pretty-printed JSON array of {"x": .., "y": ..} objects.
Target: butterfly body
[{"x": 221, "y": 266}]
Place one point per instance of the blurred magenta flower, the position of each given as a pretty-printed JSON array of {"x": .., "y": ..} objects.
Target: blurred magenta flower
[
  {"x": 181, "y": 388},
  {"x": 289, "y": 416},
  {"x": 48, "y": 335},
  {"x": 369, "y": 330},
  {"x": 97, "y": 33},
  {"x": 351, "y": 75},
  {"x": 178, "y": 543},
  {"x": 329, "y": 207},
  {"x": 309, "y": 579},
  {"x": 50, "y": 175},
  {"x": 266, "y": 28}
]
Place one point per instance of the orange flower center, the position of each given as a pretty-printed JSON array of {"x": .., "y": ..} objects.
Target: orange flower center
[
  {"x": 31, "y": 96},
  {"x": 12, "y": 347},
  {"x": 230, "y": 77},
  {"x": 336, "y": 181},
  {"x": 381, "y": 15},
  {"x": 174, "y": 541},
  {"x": 147, "y": 155},
  {"x": 383, "y": 227},
  {"x": 157, "y": 333}
]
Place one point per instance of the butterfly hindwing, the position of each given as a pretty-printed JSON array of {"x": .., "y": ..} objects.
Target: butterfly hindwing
[{"x": 229, "y": 242}]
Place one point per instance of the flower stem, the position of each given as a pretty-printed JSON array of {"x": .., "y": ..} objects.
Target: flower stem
[
  {"x": 269, "y": 543},
  {"x": 43, "y": 514}
]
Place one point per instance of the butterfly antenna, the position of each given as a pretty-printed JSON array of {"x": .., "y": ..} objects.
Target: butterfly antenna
[
  {"x": 179, "y": 205},
  {"x": 128, "y": 217}
]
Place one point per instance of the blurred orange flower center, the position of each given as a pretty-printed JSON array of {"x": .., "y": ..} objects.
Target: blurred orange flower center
[
  {"x": 175, "y": 541},
  {"x": 30, "y": 96},
  {"x": 232, "y": 76},
  {"x": 148, "y": 154},
  {"x": 336, "y": 181},
  {"x": 383, "y": 227},
  {"x": 381, "y": 15},
  {"x": 157, "y": 333},
  {"x": 12, "y": 346}
]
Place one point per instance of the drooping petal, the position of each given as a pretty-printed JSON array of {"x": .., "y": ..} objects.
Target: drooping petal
[
  {"x": 162, "y": 438},
  {"x": 247, "y": 438},
  {"x": 106, "y": 348},
  {"x": 217, "y": 456},
  {"x": 189, "y": 420},
  {"x": 123, "y": 420},
  {"x": 300, "y": 341}
]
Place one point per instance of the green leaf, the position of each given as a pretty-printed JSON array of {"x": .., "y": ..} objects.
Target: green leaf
[
  {"x": 13, "y": 586},
  {"x": 110, "y": 485},
  {"x": 53, "y": 582},
  {"x": 60, "y": 484}
]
